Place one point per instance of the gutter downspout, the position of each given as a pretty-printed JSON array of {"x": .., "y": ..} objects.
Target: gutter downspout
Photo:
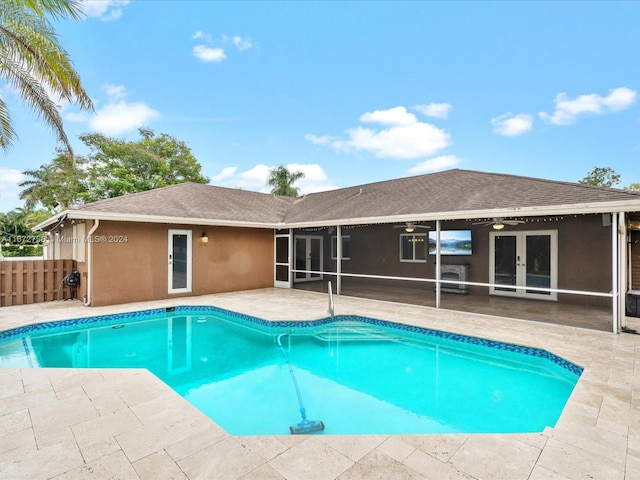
[{"x": 87, "y": 301}]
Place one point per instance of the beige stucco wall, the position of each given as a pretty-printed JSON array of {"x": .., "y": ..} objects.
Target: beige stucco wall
[{"x": 130, "y": 262}]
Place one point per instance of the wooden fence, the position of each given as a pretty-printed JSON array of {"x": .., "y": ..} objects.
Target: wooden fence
[{"x": 33, "y": 281}]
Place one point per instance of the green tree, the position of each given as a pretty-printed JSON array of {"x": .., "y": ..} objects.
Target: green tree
[
  {"x": 36, "y": 65},
  {"x": 57, "y": 185},
  {"x": 16, "y": 234},
  {"x": 601, "y": 177},
  {"x": 118, "y": 167},
  {"x": 281, "y": 181}
]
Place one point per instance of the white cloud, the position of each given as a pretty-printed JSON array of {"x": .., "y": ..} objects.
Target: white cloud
[
  {"x": 567, "y": 110},
  {"x": 105, "y": 10},
  {"x": 200, "y": 35},
  {"x": 242, "y": 43},
  {"x": 323, "y": 140},
  {"x": 401, "y": 135},
  {"x": 393, "y": 116},
  {"x": 404, "y": 142},
  {"x": 209, "y": 54},
  {"x": 435, "y": 164},
  {"x": 313, "y": 172},
  {"x": 255, "y": 178},
  {"x": 119, "y": 116},
  {"x": 226, "y": 172},
  {"x": 76, "y": 117},
  {"x": 9, "y": 179},
  {"x": 115, "y": 92},
  {"x": 435, "y": 110},
  {"x": 510, "y": 125},
  {"x": 315, "y": 179}
]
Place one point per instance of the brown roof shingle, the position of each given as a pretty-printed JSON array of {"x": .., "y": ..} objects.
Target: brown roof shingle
[
  {"x": 194, "y": 200},
  {"x": 452, "y": 192}
]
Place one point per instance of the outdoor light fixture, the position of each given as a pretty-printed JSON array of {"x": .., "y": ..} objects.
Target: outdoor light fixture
[
  {"x": 409, "y": 229},
  {"x": 498, "y": 226},
  {"x": 204, "y": 238}
]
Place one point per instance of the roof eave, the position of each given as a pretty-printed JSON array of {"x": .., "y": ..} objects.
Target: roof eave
[
  {"x": 119, "y": 217},
  {"x": 568, "y": 209}
]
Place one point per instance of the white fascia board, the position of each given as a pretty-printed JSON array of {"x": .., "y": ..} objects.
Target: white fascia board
[
  {"x": 50, "y": 221},
  {"x": 119, "y": 217}
]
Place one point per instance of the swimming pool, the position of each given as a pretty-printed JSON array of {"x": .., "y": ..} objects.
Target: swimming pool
[{"x": 358, "y": 375}]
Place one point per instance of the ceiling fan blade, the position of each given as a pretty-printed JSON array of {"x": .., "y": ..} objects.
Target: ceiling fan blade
[{"x": 512, "y": 222}]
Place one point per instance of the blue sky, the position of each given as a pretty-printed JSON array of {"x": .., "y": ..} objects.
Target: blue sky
[{"x": 355, "y": 92}]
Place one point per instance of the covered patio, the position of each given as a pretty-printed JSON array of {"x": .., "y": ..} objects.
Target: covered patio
[{"x": 573, "y": 315}]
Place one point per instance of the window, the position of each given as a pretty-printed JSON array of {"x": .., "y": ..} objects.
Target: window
[
  {"x": 413, "y": 247},
  {"x": 346, "y": 248}
]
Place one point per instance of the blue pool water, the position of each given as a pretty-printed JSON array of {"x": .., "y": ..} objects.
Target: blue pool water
[{"x": 357, "y": 375}]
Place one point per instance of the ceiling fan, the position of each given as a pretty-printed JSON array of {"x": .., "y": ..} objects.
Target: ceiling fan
[
  {"x": 498, "y": 223},
  {"x": 410, "y": 227}
]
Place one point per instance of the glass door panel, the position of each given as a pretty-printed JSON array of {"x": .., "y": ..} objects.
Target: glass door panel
[
  {"x": 505, "y": 262},
  {"x": 282, "y": 261},
  {"x": 179, "y": 261},
  {"x": 301, "y": 257},
  {"x": 315, "y": 256},
  {"x": 538, "y": 265},
  {"x": 179, "y": 270}
]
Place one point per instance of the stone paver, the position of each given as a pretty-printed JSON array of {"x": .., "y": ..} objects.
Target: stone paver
[{"x": 66, "y": 423}]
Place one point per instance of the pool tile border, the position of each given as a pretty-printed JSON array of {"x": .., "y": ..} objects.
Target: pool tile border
[{"x": 100, "y": 320}]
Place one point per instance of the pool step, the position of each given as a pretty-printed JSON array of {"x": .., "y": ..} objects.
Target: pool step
[{"x": 355, "y": 335}]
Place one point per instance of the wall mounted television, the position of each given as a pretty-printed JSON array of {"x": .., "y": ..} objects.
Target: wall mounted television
[{"x": 452, "y": 242}]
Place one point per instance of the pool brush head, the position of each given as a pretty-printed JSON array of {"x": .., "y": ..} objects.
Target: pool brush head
[{"x": 307, "y": 427}]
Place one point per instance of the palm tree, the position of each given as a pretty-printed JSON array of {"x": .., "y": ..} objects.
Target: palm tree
[
  {"x": 281, "y": 181},
  {"x": 56, "y": 185},
  {"x": 34, "y": 63}
]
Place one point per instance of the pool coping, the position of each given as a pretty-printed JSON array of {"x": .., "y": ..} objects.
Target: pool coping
[
  {"x": 597, "y": 433},
  {"x": 128, "y": 317}
]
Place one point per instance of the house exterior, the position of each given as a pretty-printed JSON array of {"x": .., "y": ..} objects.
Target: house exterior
[{"x": 457, "y": 231}]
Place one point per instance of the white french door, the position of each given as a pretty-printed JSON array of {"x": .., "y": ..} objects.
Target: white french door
[
  {"x": 179, "y": 249},
  {"x": 308, "y": 257},
  {"x": 524, "y": 259}
]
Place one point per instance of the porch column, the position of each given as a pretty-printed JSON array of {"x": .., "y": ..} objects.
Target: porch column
[
  {"x": 291, "y": 259},
  {"x": 623, "y": 262},
  {"x": 438, "y": 266},
  {"x": 339, "y": 260},
  {"x": 614, "y": 272}
]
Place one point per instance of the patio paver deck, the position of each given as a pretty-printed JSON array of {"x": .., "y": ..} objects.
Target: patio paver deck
[{"x": 101, "y": 423}]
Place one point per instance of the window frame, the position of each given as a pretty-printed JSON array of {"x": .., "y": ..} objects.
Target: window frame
[
  {"x": 414, "y": 236},
  {"x": 334, "y": 245}
]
